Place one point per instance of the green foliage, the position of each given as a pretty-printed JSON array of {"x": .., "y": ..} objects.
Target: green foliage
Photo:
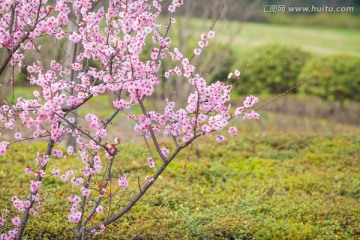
[
  {"x": 270, "y": 68},
  {"x": 333, "y": 77},
  {"x": 230, "y": 43},
  {"x": 278, "y": 187},
  {"x": 334, "y": 20},
  {"x": 221, "y": 53}
]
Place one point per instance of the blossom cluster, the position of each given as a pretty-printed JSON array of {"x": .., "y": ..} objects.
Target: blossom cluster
[
  {"x": 113, "y": 37},
  {"x": 75, "y": 215}
]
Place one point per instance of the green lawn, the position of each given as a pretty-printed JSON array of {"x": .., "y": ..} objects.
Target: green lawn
[
  {"x": 276, "y": 187},
  {"x": 320, "y": 40}
]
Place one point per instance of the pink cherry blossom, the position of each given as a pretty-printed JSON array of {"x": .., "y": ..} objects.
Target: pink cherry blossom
[
  {"x": 34, "y": 186},
  {"x": 115, "y": 39},
  {"x": 74, "y": 207},
  {"x": 252, "y": 115},
  {"x": 70, "y": 150},
  {"x": 18, "y": 136},
  {"x": 55, "y": 173},
  {"x": 239, "y": 111},
  {"x": 165, "y": 151},
  {"x": 211, "y": 34},
  {"x": 75, "y": 217},
  {"x": 99, "y": 209},
  {"x": 16, "y": 221},
  {"x": 74, "y": 37},
  {"x": 220, "y": 138},
  {"x": 250, "y": 101},
  {"x": 3, "y": 148},
  {"x": 233, "y": 131},
  {"x": 86, "y": 192},
  {"x": 28, "y": 170},
  {"x": 197, "y": 51},
  {"x": 172, "y": 8},
  {"x": 151, "y": 163},
  {"x": 123, "y": 182},
  {"x": 74, "y": 199}
]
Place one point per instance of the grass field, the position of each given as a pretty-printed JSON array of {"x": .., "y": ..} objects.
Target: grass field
[
  {"x": 280, "y": 179},
  {"x": 320, "y": 40},
  {"x": 311, "y": 114},
  {"x": 276, "y": 187}
]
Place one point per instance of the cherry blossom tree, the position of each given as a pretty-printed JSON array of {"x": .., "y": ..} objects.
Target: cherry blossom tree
[{"x": 114, "y": 36}]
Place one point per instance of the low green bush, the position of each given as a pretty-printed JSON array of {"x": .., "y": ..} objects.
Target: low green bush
[
  {"x": 334, "y": 77},
  {"x": 272, "y": 187},
  {"x": 269, "y": 69}
]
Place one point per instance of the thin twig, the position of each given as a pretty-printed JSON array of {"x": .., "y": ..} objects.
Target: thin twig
[
  {"x": 282, "y": 94},
  {"x": 139, "y": 184},
  {"x": 188, "y": 156},
  {"x": 85, "y": 133},
  {"x": 143, "y": 190}
]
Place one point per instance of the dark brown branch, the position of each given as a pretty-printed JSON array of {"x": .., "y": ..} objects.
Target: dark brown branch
[
  {"x": 5, "y": 62},
  {"x": 152, "y": 133},
  {"x": 102, "y": 191},
  {"x": 85, "y": 133},
  {"x": 212, "y": 26},
  {"x": 32, "y": 195},
  {"x": 81, "y": 226},
  {"x": 148, "y": 146},
  {"x": 143, "y": 190},
  {"x": 68, "y": 109}
]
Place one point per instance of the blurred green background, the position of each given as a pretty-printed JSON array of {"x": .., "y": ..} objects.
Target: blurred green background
[
  {"x": 275, "y": 45},
  {"x": 293, "y": 174}
]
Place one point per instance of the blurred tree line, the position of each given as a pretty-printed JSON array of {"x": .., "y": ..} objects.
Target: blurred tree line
[
  {"x": 247, "y": 10},
  {"x": 274, "y": 69},
  {"x": 318, "y": 3}
]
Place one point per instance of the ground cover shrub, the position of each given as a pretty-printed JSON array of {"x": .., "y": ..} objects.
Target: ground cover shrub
[
  {"x": 335, "y": 77},
  {"x": 334, "y": 20},
  {"x": 269, "y": 69},
  {"x": 278, "y": 186}
]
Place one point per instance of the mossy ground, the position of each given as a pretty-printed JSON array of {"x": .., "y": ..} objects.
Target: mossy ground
[{"x": 274, "y": 187}]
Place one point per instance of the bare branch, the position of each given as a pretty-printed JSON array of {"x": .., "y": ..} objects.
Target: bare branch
[
  {"x": 32, "y": 195},
  {"x": 143, "y": 190}
]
